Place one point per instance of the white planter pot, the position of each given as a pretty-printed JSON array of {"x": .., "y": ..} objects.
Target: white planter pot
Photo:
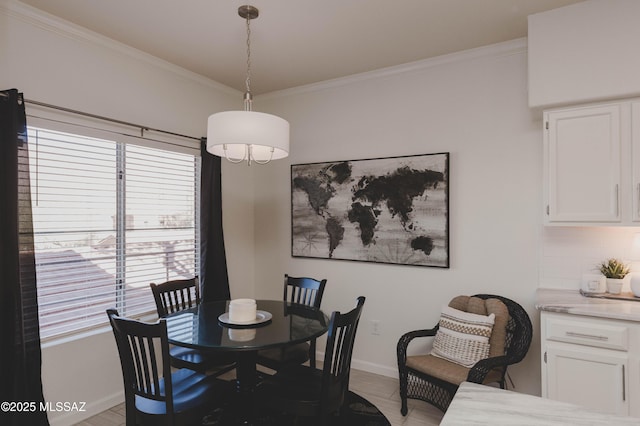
[{"x": 614, "y": 285}]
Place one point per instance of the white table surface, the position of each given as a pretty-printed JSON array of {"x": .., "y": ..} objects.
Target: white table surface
[{"x": 476, "y": 405}]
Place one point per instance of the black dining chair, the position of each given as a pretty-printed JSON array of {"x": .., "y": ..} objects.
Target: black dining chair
[
  {"x": 303, "y": 291},
  {"x": 175, "y": 296},
  {"x": 304, "y": 391},
  {"x": 154, "y": 394}
]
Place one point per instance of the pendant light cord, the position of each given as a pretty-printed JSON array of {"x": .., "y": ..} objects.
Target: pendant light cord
[{"x": 248, "y": 97}]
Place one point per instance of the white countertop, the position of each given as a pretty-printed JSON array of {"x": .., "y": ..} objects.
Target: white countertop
[
  {"x": 477, "y": 405},
  {"x": 572, "y": 302}
]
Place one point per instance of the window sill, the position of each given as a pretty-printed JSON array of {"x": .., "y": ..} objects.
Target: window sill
[{"x": 82, "y": 334}]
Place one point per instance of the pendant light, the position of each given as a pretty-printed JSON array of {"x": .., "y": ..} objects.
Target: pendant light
[{"x": 250, "y": 136}]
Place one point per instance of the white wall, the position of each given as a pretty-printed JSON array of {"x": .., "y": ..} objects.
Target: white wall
[
  {"x": 61, "y": 64},
  {"x": 473, "y": 105},
  {"x": 584, "y": 52}
]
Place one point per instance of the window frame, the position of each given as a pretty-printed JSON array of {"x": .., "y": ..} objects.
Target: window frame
[{"x": 57, "y": 121}]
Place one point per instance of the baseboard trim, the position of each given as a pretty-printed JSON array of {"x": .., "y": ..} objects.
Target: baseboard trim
[
  {"x": 369, "y": 367},
  {"x": 92, "y": 408}
]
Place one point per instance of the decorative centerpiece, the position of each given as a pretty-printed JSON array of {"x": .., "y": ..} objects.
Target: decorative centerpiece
[
  {"x": 242, "y": 310},
  {"x": 615, "y": 271},
  {"x": 242, "y": 313}
]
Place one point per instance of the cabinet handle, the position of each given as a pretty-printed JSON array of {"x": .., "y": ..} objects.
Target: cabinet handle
[
  {"x": 617, "y": 200},
  {"x": 586, "y": 336},
  {"x": 624, "y": 393}
]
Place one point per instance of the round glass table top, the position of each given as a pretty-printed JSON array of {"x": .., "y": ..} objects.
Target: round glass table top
[{"x": 201, "y": 328}]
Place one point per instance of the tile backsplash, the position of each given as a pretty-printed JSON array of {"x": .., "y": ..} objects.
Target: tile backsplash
[{"x": 569, "y": 252}]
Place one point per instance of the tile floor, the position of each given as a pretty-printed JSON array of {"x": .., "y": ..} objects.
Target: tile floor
[{"x": 379, "y": 390}]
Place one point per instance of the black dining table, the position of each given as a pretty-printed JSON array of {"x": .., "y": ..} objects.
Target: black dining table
[{"x": 278, "y": 324}]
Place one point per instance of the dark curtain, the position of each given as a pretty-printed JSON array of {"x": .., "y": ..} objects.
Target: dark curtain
[
  {"x": 213, "y": 262},
  {"x": 20, "y": 365}
]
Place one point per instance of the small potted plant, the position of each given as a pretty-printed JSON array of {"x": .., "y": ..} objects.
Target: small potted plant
[{"x": 615, "y": 271}]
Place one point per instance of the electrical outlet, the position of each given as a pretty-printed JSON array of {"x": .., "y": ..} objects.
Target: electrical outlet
[{"x": 375, "y": 327}]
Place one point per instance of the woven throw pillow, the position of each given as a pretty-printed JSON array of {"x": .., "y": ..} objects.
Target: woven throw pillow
[{"x": 463, "y": 337}]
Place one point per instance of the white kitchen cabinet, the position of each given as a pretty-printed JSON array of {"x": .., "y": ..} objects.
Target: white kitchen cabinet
[
  {"x": 587, "y": 361},
  {"x": 583, "y": 164},
  {"x": 594, "y": 378},
  {"x": 592, "y": 164}
]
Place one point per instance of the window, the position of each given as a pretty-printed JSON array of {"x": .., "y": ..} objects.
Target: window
[{"x": 109, "y": 218}]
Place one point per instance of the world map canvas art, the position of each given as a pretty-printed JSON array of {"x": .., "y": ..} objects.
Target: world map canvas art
[{"x": 385, "y": 210}]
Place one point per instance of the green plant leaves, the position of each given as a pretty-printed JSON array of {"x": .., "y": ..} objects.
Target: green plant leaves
[{"x": 614, "y": 268}]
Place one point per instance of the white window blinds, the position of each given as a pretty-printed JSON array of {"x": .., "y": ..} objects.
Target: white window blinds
[{"x": 109, "y": 218}]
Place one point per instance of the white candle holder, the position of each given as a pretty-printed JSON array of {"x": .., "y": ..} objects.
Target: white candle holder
[{"x": 242, "y": 310}]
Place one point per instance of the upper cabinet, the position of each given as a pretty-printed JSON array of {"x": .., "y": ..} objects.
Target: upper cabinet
[
  {"x": 592, "y": 164},
  {"x": 583, "y": 176},
  {"x": 579, "y": 54}
]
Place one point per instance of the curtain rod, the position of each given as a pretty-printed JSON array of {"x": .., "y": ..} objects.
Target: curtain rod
[{"x": 100, "y": 117}]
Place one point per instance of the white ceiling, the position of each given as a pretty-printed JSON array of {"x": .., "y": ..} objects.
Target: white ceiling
[{"x": 298, "y": 42}]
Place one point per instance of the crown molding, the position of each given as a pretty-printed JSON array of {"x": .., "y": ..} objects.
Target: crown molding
[
  {"x": 507, "y": 48},
  {"x": 60, "y": 27}
]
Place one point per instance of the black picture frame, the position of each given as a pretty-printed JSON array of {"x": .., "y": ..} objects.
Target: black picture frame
[{"x": 392, "y": 210}]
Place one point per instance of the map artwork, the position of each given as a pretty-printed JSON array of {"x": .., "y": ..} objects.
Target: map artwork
[{"x": 386, "y": 210}]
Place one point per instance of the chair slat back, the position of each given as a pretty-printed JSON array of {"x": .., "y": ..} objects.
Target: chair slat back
[
  {"x": 176, "y": 295},
  {"x": 304, "y": 291},
  {"x": 339, "y": 350},
  {"x": 146, "y": 372}
]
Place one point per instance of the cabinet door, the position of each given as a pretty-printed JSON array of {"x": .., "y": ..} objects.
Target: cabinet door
[
  {"x": 591, "y": 377},
  {"x": 635, "y": 155},
  {"x": 582, "y": 152}
]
